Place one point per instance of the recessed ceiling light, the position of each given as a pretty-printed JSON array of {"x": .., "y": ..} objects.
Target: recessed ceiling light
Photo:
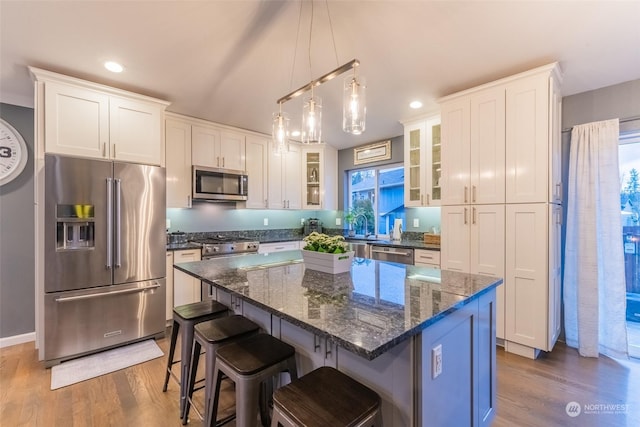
[
  {"x": 113, "y": 66},
  {"x": 415, "y": 104}
]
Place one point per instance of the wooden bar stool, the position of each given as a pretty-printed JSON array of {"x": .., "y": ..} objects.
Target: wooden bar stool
[
  {"x": 211, "y": 335},
  {"x": 326, "y": 397},
  {"x": 248, "y": 363},
  {"x": 186, "y": 317}
]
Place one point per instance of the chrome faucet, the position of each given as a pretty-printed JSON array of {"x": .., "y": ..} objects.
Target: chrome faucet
[{"x": 366, "y": 227}]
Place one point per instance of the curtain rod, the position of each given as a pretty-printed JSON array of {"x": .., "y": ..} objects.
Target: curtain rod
[{"x": 625, "y": 120}]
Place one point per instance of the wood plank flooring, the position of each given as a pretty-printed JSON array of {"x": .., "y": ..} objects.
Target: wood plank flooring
[{"x": 530, "y": 392}]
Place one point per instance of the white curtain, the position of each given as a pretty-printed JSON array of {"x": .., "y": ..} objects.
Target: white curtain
[{"x": 594, "y": 280}]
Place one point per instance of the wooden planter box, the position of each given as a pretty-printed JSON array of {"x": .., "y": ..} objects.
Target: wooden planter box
[{"x": 327, "y": 263}]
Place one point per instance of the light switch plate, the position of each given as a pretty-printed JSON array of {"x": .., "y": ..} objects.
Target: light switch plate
[
  {"x": 416, "y": 222},
  {"x": 338, "y": 221},
  {"x": 265, "y": 221},
  {"x": 436, "y": 361}
]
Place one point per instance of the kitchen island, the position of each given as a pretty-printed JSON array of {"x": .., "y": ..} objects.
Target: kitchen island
[{"x": 423, "y": 338}]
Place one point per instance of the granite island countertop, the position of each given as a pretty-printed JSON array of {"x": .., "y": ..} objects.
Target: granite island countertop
[{"x": 368, "y": 310}]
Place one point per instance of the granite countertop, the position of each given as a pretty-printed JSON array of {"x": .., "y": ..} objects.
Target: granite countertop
[
  {"x": 368, "y": 310},
  {"x": 183, "y": 246}
]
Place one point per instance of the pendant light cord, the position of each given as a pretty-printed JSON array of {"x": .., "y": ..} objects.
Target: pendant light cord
[
  {"x": 310, "y": 33},
  {"x": 335, "y": 50},
  {"x": 295, "y": 51}
]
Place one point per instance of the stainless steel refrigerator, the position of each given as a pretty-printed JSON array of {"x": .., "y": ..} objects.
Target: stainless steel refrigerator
[{"x": 104, "y": 255}]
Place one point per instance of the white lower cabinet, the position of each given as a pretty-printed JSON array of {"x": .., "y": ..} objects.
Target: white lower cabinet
[
  {"x": 186, "y": 288},
  {"x": 426, "y": 258},
  {"x": 266, "y": 248},
  {"x": 169, "y": 284},
  {"x": 532, "y": 294}
]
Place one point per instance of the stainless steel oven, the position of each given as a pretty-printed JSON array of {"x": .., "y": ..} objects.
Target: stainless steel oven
[
  {"x": 219, "y": 184},
  {"x": 392, "y": 254}
]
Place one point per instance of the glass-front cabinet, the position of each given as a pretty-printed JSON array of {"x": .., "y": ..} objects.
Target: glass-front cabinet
[
  {"x": 320, "y": 177},
  {"x": 422, "y": 162}
]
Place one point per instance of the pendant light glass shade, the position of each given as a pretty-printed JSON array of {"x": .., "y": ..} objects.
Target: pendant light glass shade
[
  {"x": 280, "y": 132},
  {"x": 354, "y": 107},
  {"x": 312, "y": 120}
]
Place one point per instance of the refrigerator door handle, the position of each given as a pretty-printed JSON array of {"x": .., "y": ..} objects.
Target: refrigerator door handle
[
  {"x": 109, "y": 223},
  {"x": 102, "y": 294},
  {"x": 118, "y": 235}
]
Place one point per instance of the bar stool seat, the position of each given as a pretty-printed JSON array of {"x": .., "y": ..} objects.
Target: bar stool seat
[
  {"x": 248, "y": 363},
  {"x": 211, "y": 335},
  {"x": 326, "y": 397},
  {"x": 185, "y": 317}
]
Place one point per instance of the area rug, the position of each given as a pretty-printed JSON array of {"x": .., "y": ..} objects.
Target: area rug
[{"x": 84, "y": 368}]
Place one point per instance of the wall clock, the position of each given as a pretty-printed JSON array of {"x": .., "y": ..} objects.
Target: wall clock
[{"x": 13, "y": 153}]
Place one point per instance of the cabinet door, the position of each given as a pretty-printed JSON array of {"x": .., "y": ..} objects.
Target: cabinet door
[
  {"x": 178, "y": 163},
  {"x": 487, "y": 240},
  {"x": 310, "y": 348},
  {"x": 205, "y": 146},
  {"x": 555, "y": 162},
  {"x": 169, "y": 281},
  {"x": 135, "y": 129},
  {"x": 487, "y": 146},
  {"x": 555, "y": 275},
  {"x": 455, "y": 239},
  {"x": 527, "y": 140},
  {"x": 292, "y": 178},
  {"x": 456, "y": 152},
  {"x": 427, "y": 258},
  {"x": 257, "y": 168},
  {"x": 414, "y": 146},
  {"x": 275, "y": 184},
  {"x": 76, "y": 121},
  {"x": 312, "y": 189},
  {"x": 526, "y": 277},
  {"x": 232, "y": 150},
  {"x": 186, "y": 288}
]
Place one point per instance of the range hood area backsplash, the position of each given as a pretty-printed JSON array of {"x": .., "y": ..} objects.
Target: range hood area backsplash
[{"x": 225, "y": 219}]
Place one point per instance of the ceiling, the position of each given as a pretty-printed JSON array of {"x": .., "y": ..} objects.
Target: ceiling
[{"x": 229, "y": 61}]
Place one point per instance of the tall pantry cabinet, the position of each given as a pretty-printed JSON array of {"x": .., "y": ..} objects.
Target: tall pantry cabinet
[{"x": 501, "y": 199}]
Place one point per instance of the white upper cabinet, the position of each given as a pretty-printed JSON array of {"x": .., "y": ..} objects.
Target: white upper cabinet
[
  {"x": 473, "y": 141},
  {"x": 85, "y": 119},
  {"x": 319, "y": 172},
  {"x": 285, "y": 178},
  {"x": 218, "y": 148},
  {"x": 178, "y": 163},
  {"x": 257, "y": 171},
  {"x": 422, "y": 160}
]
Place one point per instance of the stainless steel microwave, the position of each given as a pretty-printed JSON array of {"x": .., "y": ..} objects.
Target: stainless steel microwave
[{"x": 219, "y": 184}]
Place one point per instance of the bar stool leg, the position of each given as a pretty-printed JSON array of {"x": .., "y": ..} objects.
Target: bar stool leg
[
  {"x": 246, "y": 414},
  {"x": 212, "y": 410},
  {"x": 187, "y": 336},
  {"x": 172, "y": 350},
  {"x": 195, "y": 359}
]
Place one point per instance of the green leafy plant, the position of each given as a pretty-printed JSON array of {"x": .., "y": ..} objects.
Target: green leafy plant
[{"x": 320, "y": 242}]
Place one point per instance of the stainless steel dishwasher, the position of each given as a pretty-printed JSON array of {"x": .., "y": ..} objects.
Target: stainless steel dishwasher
[
  {"x": 392, "y": 254},
  {"x": 361, "y": 249}
]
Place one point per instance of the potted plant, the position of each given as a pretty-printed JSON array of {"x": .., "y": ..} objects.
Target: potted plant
[
  {"x": 350, "y": 219},
  {"x": 325, "y": 253}
]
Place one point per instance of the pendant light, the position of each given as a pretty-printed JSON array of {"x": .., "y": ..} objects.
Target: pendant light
[
  {"x": 312, "y": 119},
  {"x": 354, "y": 108},
  {"x": 280, "y": 131}
]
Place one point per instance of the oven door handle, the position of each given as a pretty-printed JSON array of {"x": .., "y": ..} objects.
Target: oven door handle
[{"x": 103, "y": 294}]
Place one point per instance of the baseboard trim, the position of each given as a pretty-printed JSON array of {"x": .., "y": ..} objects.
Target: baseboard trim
[{"x": 17, "y": 339}]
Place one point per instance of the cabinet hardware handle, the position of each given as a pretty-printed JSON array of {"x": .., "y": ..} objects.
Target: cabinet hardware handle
[
  {"x": 188, "y": 201},
  {"x": 421, "y": 199},
  {"x": 284, "y": 203},
  {"x": 316, "y": 343},
  {"x": 465, "y": 193},
  {"x": 559, "y": 190},
  {"x": 473, "y": 211},
  {"x": 327, "y": 348},
  {"x": 104, "y": 149},
  {"x": 113, "y": 149},
  {"x": 218, "y": 161},
  {"x": 223, "y": 162},
  {"x": 465, "y": 216},
  {"x": 266, "y": 202},
  {"x": 428, "y": 203},
  {"x": 473, "y": 194}
]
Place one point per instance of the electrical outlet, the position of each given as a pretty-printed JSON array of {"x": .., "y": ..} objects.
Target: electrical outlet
[
  {"x": 265, "y": 221},
  {"x": 338, "y": 221},
  {"x": 436, "y": 361},
  {"x": 416, "y": 222},
  {"x": 301, "y": 221}
]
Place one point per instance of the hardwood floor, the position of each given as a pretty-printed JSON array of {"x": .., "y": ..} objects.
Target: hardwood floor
[{"x": 530, "y": 392}]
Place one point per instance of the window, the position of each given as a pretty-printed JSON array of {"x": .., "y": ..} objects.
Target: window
[{"x": 376, "y": 198}]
